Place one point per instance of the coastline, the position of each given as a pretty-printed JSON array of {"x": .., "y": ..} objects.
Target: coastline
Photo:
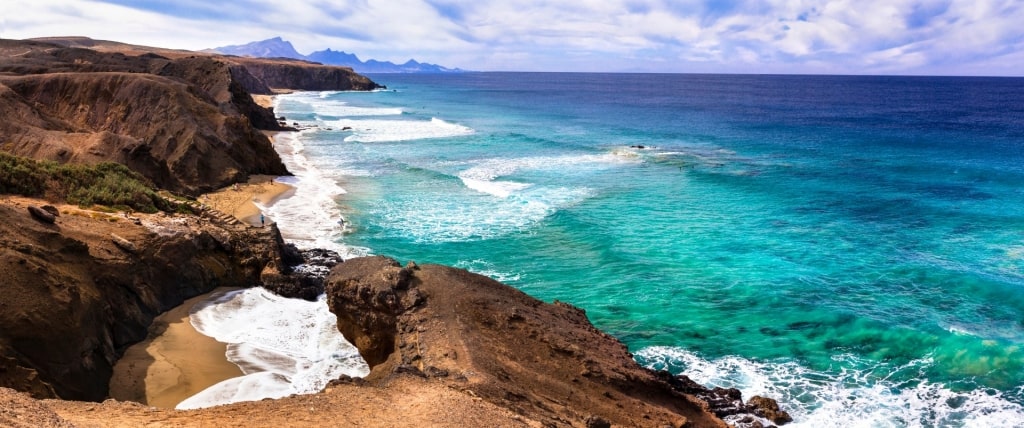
[
  {"x": 174, "y": 362},
  {"x": 240, "y": 200}
]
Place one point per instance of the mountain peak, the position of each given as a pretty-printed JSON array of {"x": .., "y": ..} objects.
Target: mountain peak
[
  {"x": 269, "y": 48},
  {"x": 278, "y": 47}
]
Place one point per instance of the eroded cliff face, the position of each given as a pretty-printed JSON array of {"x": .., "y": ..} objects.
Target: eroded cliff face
[
  {"x": 295, "y": 74},
  {"x": 469, "y": 332},
  {"x": 80, "y": 290},
  {"x": 186, "y": 122}
]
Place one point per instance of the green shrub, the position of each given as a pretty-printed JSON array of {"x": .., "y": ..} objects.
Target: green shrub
[{"x": 107, "y": 184}]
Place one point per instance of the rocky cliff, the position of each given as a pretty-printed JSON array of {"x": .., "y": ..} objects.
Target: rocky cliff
[
  {"x": 78, "y": 291},
  {"x": 185, "y": 122},
  {"x": 310, "y": 76},
  {"x": 543, "y": 361}
]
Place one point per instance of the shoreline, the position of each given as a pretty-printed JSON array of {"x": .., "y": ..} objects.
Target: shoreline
[
  {"x": 240, "y": 200},
  {"x": 174, "y": 362}
]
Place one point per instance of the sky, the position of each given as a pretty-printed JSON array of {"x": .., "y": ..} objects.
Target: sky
[{"x": 932, "y": 37}]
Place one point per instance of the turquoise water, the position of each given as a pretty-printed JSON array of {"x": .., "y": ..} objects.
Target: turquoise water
[{"x": 853, "y": 246}]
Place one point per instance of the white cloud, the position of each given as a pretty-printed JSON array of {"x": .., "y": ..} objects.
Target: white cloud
[{"x": 848, "y": 36}]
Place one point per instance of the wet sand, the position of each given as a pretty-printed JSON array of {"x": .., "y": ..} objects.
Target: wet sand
[{"x": 173, "y": 363}]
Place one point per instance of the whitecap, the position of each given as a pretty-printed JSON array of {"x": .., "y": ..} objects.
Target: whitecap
[
  {"x": 482, "y": 177},
  {"x": 383, "y": 130},
  {"x": 856, "y": 396},
  {"x": 488, "y": 269}
]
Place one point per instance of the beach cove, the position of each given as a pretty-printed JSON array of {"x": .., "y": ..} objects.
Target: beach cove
[{"x": 378, "y": 152}]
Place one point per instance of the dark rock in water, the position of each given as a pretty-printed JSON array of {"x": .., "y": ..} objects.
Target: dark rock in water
[
  {"x": 52, "y": 210},
  {"x": 291, "y": 255},
  {"x": 346, "y": 128},
  {"x": 41, "y": 214},
  {"x": 303, "y": 277},
  {"x": 729, "y": 401},
  {"x": 770, "y": 409}
]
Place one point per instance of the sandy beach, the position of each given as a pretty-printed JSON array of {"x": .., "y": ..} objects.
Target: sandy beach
[
  {"x": 266, "y": 101},
  {"x": 239, "y": 200},
  {"x": 173, "y": 363}
]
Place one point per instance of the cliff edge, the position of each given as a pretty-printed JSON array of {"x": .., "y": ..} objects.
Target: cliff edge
[
  {"x": 544, "y": 362},
  {"x": 187, "y": 123}
]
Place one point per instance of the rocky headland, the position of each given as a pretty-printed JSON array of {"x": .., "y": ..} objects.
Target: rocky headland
[
  {"x": 81, "y": 284},
  {"x": 185, "y": 122}
]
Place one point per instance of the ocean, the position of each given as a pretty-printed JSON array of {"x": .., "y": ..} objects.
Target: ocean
[{"x": 851, "y": 246}]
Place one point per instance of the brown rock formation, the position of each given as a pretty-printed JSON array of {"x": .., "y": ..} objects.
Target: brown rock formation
[
  {"x": 75, "y": 295},
  {"x": 545, "y": 362},
  {"x": 310, "y": 76},
  {"x": 185, "y": 122}
]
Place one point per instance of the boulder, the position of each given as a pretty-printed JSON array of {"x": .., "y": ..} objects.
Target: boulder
[{"x": 41, "y": 214}]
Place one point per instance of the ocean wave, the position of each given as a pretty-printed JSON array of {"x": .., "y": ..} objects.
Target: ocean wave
[
  {"x": 310, "y": 218},
  {"x": 482, "y": 176},
  {"x": 382, "y": 130},
  {"x": 432, "y": 218},
  {"x": 488, "y": 269},
  {"x": 856, "y": 396},
  {"x": 283, "y": 346}
]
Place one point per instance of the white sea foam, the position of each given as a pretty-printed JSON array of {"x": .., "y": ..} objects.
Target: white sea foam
[
  {"x": 283, "y": 346},
  {"x": 488, "y": 269},
  {"x": 385, "y": 130},
  {"x": 515, "y": 207},
  {"x": 338, "y": 108},
  {"x": 482, "y": 177},
  {"x": 851, "y": 398},
  {"x": 310, "y": 218},
  {"x": 459, "y": 218}
]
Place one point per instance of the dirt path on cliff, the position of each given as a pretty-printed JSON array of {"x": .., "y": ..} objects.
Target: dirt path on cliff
[{"x": 406, "y": 401}]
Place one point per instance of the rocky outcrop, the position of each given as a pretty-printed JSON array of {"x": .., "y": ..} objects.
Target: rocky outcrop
[
  {"x": 469, "y": 332},
  {"x": 296, "y": 74},
  {"x": 186, "y": 122},
  {"x": 78, "y": 291}
]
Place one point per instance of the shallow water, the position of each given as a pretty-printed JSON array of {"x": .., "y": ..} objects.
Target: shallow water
[{"x": 851, "y": 245}]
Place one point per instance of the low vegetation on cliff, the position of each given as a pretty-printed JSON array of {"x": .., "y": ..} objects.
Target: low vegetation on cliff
[{"x": 107, "y": 184}]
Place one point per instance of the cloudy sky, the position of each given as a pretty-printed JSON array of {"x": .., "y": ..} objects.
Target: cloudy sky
[{"x": 946, "y": 37}]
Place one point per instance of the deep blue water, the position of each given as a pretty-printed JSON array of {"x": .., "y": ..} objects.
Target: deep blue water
[{"x": 853, "y": 246}]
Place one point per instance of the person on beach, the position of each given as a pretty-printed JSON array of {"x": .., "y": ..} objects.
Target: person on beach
[{"x": 263, "y": 223}]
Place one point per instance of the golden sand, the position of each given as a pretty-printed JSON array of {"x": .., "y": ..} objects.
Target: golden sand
[
  {"x": 239, "y": 200},
  {"x": 173, "y": 363},
  {"x": 266, "y": 101}
]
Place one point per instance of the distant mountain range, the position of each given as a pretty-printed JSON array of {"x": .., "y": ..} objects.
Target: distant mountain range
[{"x": 279, "y": 48}]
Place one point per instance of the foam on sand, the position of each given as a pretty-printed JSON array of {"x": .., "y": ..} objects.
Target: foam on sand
[{"x": 283, "y": 346}]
